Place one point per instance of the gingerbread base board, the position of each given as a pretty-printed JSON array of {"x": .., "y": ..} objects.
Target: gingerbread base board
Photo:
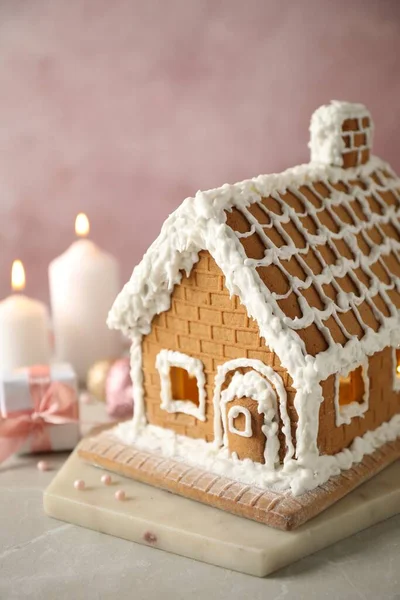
[
  {"x": 279, "y": 510},
  {"x": 169, "y": 522}
]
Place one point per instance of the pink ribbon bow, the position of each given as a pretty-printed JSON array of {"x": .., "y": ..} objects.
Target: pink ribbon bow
[{"x": 54, "y": 403}]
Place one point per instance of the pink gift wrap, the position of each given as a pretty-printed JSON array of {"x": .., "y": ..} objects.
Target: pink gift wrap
[{"x": 39, "y": 410}]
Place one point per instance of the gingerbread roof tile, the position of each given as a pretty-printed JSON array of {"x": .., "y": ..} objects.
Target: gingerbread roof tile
[{"x": 313, "y": 252}]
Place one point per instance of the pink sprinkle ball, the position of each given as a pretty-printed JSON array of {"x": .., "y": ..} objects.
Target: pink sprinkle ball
[
  {"x": 120, "y": 495},
  {"x": 106, "y": 479},
  {"x": 42, "y": 465},
  {"x": 79, "y": 484}
]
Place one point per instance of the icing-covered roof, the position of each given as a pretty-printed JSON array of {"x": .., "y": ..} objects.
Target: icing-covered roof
[
  {"x": 333, "y": 266},
  {"x": 313, "y": 253}
]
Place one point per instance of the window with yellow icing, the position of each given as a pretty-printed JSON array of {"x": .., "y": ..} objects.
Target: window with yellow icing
[
  {"x": 398, "y": 363},
  {"x": 396, "y": 369},
  {"x": 183, "y": 385},
  {"x": 352, "y": 387},
  {"x": 352, "y": 394}
]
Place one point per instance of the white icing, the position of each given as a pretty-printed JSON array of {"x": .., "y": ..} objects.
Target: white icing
[
  {"x": 139, "y": 416},
  {"x": 396, "y": 375},
  {"x": 233, "y": 414},
  {"x": 344, "y": 414},
  {"x": 326, "y": 139},
  {"x": 200, "y": 224},
  {"x": 167, "y": 359},
  {"x": 293, "y": 475}
]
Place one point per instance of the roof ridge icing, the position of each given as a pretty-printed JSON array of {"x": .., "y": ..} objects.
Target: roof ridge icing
[{"x": 200, "y": 224}]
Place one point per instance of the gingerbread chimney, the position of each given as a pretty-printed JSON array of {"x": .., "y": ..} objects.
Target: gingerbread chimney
[{"x": 341, "y": 134}]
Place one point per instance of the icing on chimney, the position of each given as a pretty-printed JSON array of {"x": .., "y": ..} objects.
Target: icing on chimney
[{"x": 341, "y": 134}]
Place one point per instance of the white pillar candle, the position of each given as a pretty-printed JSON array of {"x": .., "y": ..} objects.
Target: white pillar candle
[
  {"x": 84, "y": 282},
  {"x": 24, "y": 327}
]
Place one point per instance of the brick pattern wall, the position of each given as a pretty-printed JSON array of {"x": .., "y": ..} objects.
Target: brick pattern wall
[
  {"x": 356, "y": 138},
  {"x": 384, "y": 403},
  {"x": 205, "y": 323}
]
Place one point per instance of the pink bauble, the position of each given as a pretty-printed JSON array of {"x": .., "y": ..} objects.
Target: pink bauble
[{"x": 119, "y": 398}]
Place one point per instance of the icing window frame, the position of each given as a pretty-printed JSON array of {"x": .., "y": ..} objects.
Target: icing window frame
[
  {"x": 194, "y": 367},
  {"x": 346, "y": 412},
  {"x": 395, "y": 365},
  {"x": 233, "y": 413}
]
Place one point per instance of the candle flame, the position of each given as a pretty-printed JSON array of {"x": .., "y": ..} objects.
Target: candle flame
[
  {"x": 82, "y": 225},
  {"x": 17, "y": 276},
  {"x": 398, "y": 369}
]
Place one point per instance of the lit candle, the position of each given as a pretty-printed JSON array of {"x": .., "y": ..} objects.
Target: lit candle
[
  {"x": 24, "y": 327},
  {"x": 84, "y": 282}
]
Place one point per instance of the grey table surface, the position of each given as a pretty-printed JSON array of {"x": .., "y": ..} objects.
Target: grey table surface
[{"x": 41, "y": 558}]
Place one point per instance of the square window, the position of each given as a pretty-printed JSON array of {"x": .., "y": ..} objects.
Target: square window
[
  {"x": 351, "y": 388},
  {"x": 182, "y": 384},
  {"x": 351, "y": 394},
  {"x": 396, "y": 369}
]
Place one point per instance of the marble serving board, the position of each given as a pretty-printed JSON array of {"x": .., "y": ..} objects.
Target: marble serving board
[{"x": 169, "y": 522}]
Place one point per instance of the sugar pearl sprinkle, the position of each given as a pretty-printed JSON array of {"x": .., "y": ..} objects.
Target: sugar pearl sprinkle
[
  {"x": 120, "y": 495},
  {"x": 42, "y": 465},
  {"x": 79, "y": 484},
  {"x": 106, "y": 479}
]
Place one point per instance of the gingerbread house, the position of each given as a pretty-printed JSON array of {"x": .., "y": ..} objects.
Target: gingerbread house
[{"x": 265, "y": 329}]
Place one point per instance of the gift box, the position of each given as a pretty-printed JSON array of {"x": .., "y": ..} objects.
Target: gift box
[{"x": 39, "y": 410}]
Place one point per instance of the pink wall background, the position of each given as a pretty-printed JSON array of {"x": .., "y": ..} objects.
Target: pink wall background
[{"x": 122, "y": 108}]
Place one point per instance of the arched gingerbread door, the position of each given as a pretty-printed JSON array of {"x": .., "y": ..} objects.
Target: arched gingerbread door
[{"x": 249, "y": 415}]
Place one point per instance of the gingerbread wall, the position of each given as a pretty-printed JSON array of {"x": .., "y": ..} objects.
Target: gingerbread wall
[
  {"x": 204, "y": 322},
  {"x": 384, "y": 403}
]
